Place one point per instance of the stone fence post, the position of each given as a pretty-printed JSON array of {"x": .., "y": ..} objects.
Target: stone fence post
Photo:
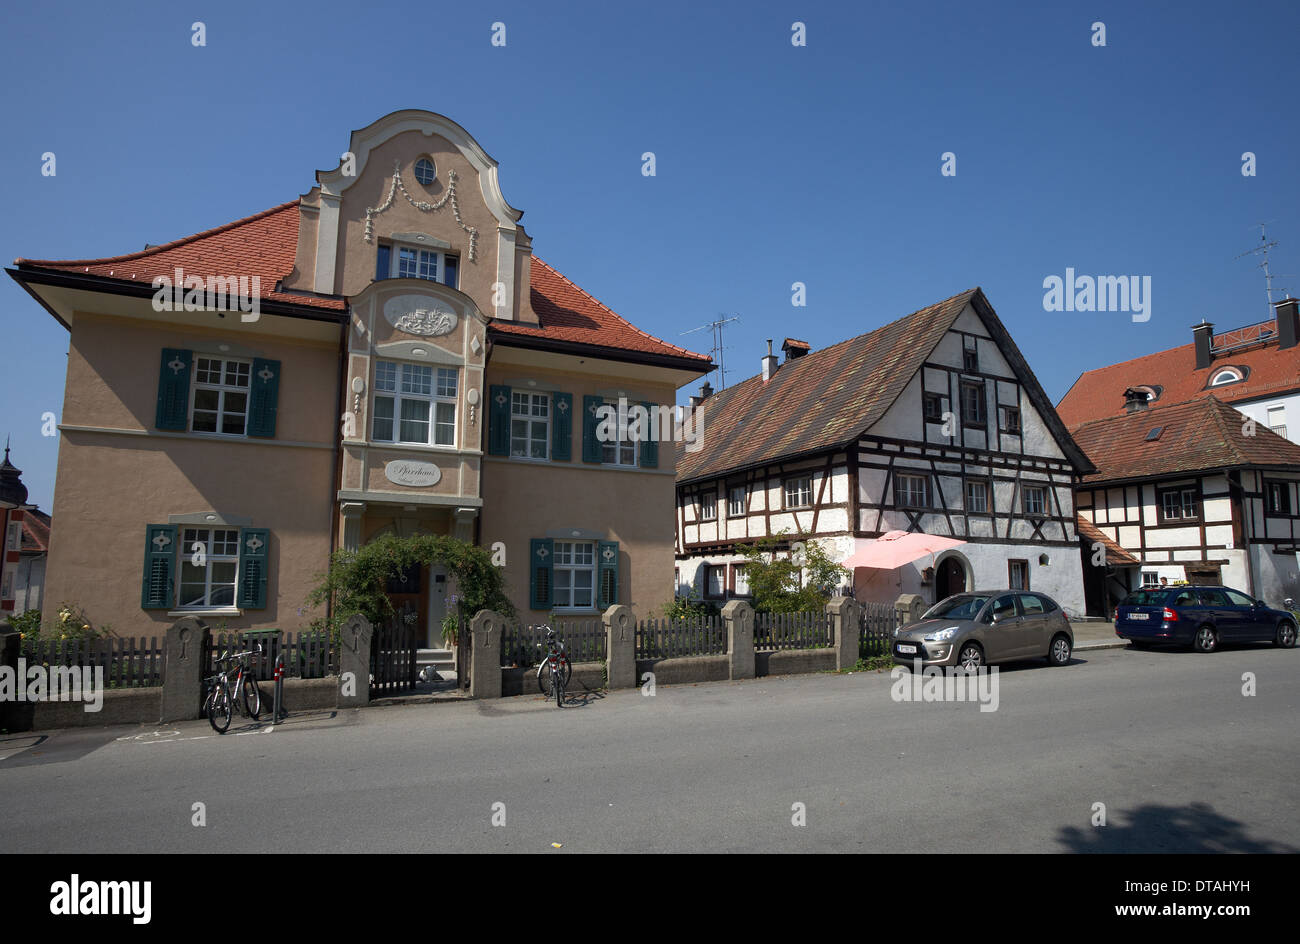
[
  {"x": 183, "y": 668},
  {"x": 620, "y": 647},
  {"x": 355, "y": 639},
  {"x": 485, "y": 631},
  {"x": 738, "y": 616},
  {"x": 10, "y": 648},
  {"x": 846, "y": 630},
  {"x": 908, "y": 609}
]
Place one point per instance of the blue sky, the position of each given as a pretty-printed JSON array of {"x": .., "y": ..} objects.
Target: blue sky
[{"x": 775, "y": 164}]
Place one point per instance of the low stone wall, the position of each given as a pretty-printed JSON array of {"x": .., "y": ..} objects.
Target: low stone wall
[
  {"x": 120, "y": 706},
  {"x": 794, "y": 661},
  {"x": 587, "y": 676},
  {"x": 684, "y": 669}
]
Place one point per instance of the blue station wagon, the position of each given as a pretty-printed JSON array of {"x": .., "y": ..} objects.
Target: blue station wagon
[{"x": 1201, "y": 617}]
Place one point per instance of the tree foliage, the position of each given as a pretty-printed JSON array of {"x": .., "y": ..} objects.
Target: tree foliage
[{"x": 774, "y": 580}]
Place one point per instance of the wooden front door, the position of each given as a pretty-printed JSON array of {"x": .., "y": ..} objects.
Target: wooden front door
[
  {"x": 409, "y": 594},
  {"x": 949, "y": 579}
]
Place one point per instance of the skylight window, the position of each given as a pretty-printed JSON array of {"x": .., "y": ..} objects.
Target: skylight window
[{"x": 1155, "y": 434}]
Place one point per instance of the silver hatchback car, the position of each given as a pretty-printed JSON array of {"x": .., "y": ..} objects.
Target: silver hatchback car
[{"x": 983, "y": 627}]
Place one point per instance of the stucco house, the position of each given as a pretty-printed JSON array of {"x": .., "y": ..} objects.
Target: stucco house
[
  {"x": 932, "y": 423},
  {"x": 382, "y": 354}
]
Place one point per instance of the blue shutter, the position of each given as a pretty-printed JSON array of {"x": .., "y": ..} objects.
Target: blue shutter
[
  {"x": 650, "y": 444},
  {"x": 158, "y": 586},
  {"x": 591, "y": 451},
  {"x": 562, "y": 427},
  {"x": 383, "y": 262},
  {"x": 174, "y": 390},
  {"x": 254, "y": 545},
  {"x": 607, "y": 573},
  {"x": 449, "y": 266},
  {"x": 498, "y": 420},
  {"x": 264, "y": 395},
  {"x": 541, "y": 555}
]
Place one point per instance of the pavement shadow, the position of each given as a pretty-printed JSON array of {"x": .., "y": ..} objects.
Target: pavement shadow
[
  {"x": 1197, "y": 828},
  {"x": 581, "y": 699}
]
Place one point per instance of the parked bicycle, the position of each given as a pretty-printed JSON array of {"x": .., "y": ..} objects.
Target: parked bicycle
[
  {"x": 555, "y": 671},
  {"x": 224, "y": 698}
]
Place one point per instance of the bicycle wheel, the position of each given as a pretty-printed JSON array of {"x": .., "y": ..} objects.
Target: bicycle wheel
[
  {"x": 559, "y": 689},
  {"x": 252, "y": 698},
  {"x": 220, "y": 707},
  {"x": 566, "y": 665},
  {"x": 544, "y": 678}
]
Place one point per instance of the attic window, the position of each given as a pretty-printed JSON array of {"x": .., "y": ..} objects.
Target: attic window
[
  {"x": 425, "y": 172},
  {"x": 1152, "y": 393},
  {"x": 1226, "y": 376},
  {"x": 1155, "y": 434}
]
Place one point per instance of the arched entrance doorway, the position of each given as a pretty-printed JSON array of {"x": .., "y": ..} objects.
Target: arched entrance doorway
[{"x": 949, "y": 577}]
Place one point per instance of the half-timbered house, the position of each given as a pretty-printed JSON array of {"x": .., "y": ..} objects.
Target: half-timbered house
[{"x": 932, "y": 423}]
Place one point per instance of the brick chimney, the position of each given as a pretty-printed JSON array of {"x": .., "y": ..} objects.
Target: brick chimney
[
  {"x": 1135, "y": 401},
  {"x": 1288, "y": 323},
  {"x": 769, "y": 363},
  {"x": 1203, "y": 338},
  {"x": 706, "y": 391}
]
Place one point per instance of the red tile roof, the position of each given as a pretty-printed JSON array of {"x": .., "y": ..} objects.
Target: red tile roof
[
  {"x": 266, "y": 243},
  {"x": 1199, "y": 435},
  {"x": 1115, "y": 555},
  {"x": 36, "y": 531},
  {"x": 1100, "y": 393}
]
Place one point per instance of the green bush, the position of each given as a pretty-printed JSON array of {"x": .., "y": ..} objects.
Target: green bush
[{"x": 775, "y": 584}]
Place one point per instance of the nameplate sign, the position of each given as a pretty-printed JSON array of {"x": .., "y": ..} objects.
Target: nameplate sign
[{"x": 412, "y": 474}]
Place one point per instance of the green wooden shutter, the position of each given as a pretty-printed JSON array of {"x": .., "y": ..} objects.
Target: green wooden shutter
[
  {"x": 498, "y": 420},
  {"x": 650, "y": 444},
  {"x": 562, "y": 427},
  {"x": 264, "y": 397},
  {"x": 591, "y": 451},
  {"x": 254, "y": 545},
  {"x": 607, "y": 572},
  {"x": 541, "y": 554},
  {"x": 174, "y": 390},
  {"x": 158, "y": 587}
]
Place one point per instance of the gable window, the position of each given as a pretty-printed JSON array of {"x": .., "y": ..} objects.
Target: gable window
[
  {"x": 415, "y": 404},
  {"x": 972, "y": 403},
  {"x": 1009, "y": 419},
  {"x": 425, "y": 172},
  {"x": 912, "y": 491},
  {"x": 798, "y": 492},
  {"x": 736, "y": 502},
  {"x": 1277, "y": 497},
  {"x": 530, "y": 424},
  {"x": 220, "y": 396},
  {"x": 1018, "y": 574},
  {"x": 574, "y": 575},
  {"x": 1033, "y": 501},
  {"x": 970, "y": 360},
  {"x": 977, "y": 496},
  {"x": 397, "y": 261},
  {"x": 933, "y": 403},
  {"x": 709, "y": 506},
  {"x": 209, "y": 565},
  {"x": 1179, "y": 504}
]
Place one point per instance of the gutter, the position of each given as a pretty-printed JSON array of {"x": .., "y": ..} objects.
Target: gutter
[
  {"x": 579, "y": 349},
  {"x": 337, "y": 472}
]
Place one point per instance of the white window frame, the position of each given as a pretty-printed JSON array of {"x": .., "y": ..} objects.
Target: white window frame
[
  {"x": 740, "y": 581},
  {"x": 531, "y": 399},
  {"x": 737, "y": 509},
  {"x": 565, "y": 560},
  {"x": 434, "y": 398},
  {"x": 1024, "y": 500},
  {"x": 790, "y": 487},
  {"x": 439, "y": 263},
  {"x": 1154, "y": 582},
  {"x": 625, "y": 453},
  {"x": 902, "y": 495},
  {"x": 984, "y": 486},
  {"x": 1232, "y": 374},
  {"x": 221, "y": 388},
  {"x": 186, "y": 553},
  {"x": 709, "y": 506}
]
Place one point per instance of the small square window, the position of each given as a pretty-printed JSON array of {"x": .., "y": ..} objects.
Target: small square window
[
  {"x": 970, "y": 360},
  {"x": 798, "y": 492},
  {"x": 1034, "y": 500}
]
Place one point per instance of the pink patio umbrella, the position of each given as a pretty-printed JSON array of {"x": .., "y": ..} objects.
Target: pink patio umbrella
[{"x": 896, "y": 548}]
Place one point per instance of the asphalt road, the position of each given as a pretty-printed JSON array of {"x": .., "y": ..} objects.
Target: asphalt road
[{"x": 1182, "y": 760}]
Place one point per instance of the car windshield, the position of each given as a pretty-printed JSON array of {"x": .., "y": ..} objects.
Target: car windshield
[
  {"x": 1145, "y": 598},
  {"x": 962, "y": 606}
]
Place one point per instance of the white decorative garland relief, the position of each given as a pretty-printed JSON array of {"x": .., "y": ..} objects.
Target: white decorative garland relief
[{"x": 423, "y": 207}]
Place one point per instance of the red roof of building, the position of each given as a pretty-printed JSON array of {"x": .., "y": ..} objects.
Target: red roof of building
[
  {"x": 1115, "y": 555},
  {"x": 1269, "y": 372},
  {"x": 36, "y": 531},
  {"x": 1196, "y": 436},
  {"x": 266, "y": 244}
]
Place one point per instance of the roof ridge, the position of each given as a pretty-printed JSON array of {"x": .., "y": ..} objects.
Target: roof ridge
[
  {"x": 162, "y": 246},
  {"x": 1169, "y": 407}
]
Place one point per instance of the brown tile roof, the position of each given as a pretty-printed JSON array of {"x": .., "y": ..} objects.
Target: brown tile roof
[
  {"x": 1115, "y": 555},
  {"x": 1199, "y": 435},
  {"x": 1100, "y": 393},
  {"x": 265, "y": 245},
  {"x": 36, "y": 531},
  {"x": 828, "y": 398}
]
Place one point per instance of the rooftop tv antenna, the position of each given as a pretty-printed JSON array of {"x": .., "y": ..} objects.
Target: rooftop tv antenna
[
  {"x": 716, "y": 354},
  {"x": 1265, "y": 244}
]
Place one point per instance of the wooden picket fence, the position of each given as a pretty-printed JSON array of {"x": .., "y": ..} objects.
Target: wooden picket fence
[
  {"x": 135, "y": 662},
  {"x": 667, "y": 639},
  {"x": 775, "y": 631},
  {"x": 307, "y": 655},
  {"x": 393, "y": 668},
  {"x": 524, "y": 644},
  {"x": 877, "y": 622}
]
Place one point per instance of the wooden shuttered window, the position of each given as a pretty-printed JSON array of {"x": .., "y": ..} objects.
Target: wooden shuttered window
[
  {"x": 158, "y": 586},
  {"x": 561, "y": 427},
  {"x": 254, "y": 553},
  {"x": 650, "y": 441},
  {"x": 591, "y": 451},
  {"x": 541, "y": 554},
  {"x": 174, "y": 389},
  {"x": 263, "y": 398},
  {"x": 498, "y": 420}
]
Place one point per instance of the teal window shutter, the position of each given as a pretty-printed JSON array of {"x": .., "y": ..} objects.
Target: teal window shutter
[
  {"x": 650, "y": 443},
  {"x": 263, "y": 398},
  {"x": 158, "y": 587},
  {"x": 591, "y": 451},
  {"x": 174, "y": 390},
  {"x": 498, "y": 420},
  {"x": 607, "y": 565},
  {"x": 254, "y": 545},
  {"x": 562, "y": 427},
  {"x": 541, "y": 555}
]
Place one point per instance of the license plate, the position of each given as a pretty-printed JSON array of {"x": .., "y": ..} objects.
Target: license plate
[
  {"x": 1140, "y": 616},
  {"x": 907, "y": 650}
]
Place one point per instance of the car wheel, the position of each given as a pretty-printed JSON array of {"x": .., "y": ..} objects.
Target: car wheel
[
  {"x": 971, "y": 656},
  {"x": 1207, "y": 640},
  {"x": 1285, "y": 636},
  {"x": 1059, "y": 653}
]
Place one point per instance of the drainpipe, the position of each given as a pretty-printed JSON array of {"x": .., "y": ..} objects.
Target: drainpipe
[{"x": 338, "y": 449}]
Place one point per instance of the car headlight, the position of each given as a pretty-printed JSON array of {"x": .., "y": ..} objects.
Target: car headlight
[{"x": 942, "y": 634}]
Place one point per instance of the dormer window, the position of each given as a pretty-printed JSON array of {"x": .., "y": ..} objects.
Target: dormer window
[
  {"x": 1225, "y": 376},
  {"x": 400, "y": 261}
]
